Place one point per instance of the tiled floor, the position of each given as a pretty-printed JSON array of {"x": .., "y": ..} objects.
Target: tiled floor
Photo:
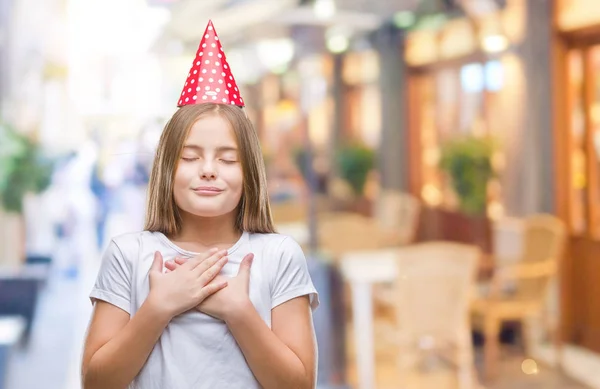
[
  {"x": 511, "y": 377},
  {"x": 511, "y": 374}
]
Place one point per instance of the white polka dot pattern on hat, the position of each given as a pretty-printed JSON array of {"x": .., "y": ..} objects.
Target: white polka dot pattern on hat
[{"x": 221, "y": 86}]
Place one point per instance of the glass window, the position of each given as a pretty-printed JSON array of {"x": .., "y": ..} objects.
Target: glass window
[
  {"x": 594, "y": 138},
  {"x": 578, "y": 171},
  {"x": 452, "y": 101},
  {"x": 471, "y": 78},
  {"x": 583, "y": 66},
  {"x": 494, "y": 76}
]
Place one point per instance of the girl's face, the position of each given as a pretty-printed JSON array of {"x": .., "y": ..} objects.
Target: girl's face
[{"x": 209, "y": 180}]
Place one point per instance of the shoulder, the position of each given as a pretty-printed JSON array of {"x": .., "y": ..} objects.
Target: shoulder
[
  {"x": 132, "y": 238},
  {"x": 128, "y": 245}
]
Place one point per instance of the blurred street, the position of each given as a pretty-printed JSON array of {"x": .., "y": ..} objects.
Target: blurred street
[{"x": 438, "y": 161}]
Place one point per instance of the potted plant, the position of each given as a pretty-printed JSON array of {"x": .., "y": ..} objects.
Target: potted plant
[
  {"x": 354, "y": 163},
  {"x": 468, "y": 163},
  {"x": 23, "y": 169}
]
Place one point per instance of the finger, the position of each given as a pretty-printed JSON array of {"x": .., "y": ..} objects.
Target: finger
[
  {"x": 202, "y": 266},
  {"x": 174, "y": 263},
  {"x": 171, "y": 265},
  {"x": 213, "y": 271},
  {"x": 245, "y": 266},
  {"x": 157, "y": 264},
  {"x": 180, "y": 261},
  {"x": 212, "y": 288},
  {"x": 197, "y": 260}
]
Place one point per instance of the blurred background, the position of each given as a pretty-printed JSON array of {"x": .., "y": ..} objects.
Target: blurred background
[{"x": 437, "y": 159}]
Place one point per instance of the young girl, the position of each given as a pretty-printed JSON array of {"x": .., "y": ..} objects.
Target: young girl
[{"x": 231, "y": 306}]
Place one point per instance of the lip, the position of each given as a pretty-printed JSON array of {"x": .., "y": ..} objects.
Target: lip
[{"x": 207, "y": 190}]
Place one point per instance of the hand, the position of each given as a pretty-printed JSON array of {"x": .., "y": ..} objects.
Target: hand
[
  {"x": 228, "y": 301},
  {"x": 190, "y": 284}
]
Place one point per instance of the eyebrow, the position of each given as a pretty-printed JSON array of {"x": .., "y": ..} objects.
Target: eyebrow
[{"x": 219, "y": 149}]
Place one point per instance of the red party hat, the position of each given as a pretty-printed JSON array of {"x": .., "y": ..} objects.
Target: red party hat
[{"x": 210, "y": 79}]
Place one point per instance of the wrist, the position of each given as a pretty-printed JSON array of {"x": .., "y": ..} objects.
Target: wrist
[
  {"x": 158, "y": 309},
  {"x": 238, "y": 312}
]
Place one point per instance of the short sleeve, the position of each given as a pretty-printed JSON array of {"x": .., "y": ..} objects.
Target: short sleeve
[
  {"x": 292, "y": 278},
  {"x": 113, "y": 283}
]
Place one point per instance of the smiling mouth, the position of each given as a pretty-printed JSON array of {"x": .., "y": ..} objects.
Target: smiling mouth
[{"x": 207, "y": 191}]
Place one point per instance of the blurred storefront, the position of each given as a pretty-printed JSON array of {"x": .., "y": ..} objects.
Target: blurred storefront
[
  {"x": 465, "y": 77},
  {"x": 577, "y": 138},
  {"x": 360, "y": 77},
  {"x": 468, "y": 77}
]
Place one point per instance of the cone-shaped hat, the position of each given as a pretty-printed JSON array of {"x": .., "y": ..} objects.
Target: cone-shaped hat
[{"x": 210, "y": 79}]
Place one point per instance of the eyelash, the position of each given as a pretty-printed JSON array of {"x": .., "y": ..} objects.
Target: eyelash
[{"x": 225, "y": 161}]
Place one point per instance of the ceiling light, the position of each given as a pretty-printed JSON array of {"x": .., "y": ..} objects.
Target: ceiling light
[
  {"x": 338, "y": 43},
  {"x": 275, "y": 54},
  {"x": 324, "y": 9},
  {"x": 495, "y": 43}
]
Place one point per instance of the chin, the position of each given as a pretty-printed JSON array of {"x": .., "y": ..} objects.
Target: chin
[{"x": 208, "y": 210}]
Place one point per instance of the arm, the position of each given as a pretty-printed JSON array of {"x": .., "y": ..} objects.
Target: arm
[
  {"x": 116, "y": 347},
  {"x": 284, "y": 357},
  {"x": 523, "y": 270}
]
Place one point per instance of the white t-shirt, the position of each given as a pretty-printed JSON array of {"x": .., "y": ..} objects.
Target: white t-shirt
[{"x": 195, "y": 350}]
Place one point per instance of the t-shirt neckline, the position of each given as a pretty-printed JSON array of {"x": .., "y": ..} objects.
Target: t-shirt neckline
[{"x": 180, "y": 250}]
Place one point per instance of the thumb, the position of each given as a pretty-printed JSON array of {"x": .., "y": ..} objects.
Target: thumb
[
  {"x": 245, "y": 266},
  {"x": 157, "y": 264}
]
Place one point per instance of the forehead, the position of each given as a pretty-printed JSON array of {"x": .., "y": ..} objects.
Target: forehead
[{"x": 211, "y": 130}]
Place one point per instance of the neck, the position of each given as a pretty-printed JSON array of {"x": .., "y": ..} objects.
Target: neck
[{"x": 208, "y": 232}]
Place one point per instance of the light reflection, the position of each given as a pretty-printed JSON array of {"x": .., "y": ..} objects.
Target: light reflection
[{"x": 529, "y": 367}]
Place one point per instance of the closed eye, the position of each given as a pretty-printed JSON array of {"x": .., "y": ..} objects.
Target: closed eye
[
  {"x": 228, "y": 161},
  {"x": 189, "y": 159}
]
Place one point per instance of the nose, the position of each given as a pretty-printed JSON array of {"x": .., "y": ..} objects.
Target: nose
[{"x": 208, "y": 171}]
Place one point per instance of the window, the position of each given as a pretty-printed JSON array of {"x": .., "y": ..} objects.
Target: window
[
  {"x": 449, "y": 102},
  {"x": 584, "y": 140}
]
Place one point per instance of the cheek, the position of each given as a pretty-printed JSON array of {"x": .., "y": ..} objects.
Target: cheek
[
  {"x": 238, "y": 179},
  {"x": 182, "y": 178},
  {"x": 234, "y": 178}
]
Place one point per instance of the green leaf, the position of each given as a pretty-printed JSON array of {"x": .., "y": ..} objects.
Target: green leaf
[
  {"x": 467, "y": 162},
  {"x": 23, "y": 168},
  {"x": 354, "y": 162}
]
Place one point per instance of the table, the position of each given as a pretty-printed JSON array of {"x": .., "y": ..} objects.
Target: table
[{"x": 362, "y": 270}]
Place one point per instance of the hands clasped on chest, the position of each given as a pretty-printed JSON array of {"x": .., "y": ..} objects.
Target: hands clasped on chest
[{"x": 195, "y": 283}]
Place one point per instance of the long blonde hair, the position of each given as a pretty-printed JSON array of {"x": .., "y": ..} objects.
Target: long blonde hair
[{"x": 254, "y": 211}]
